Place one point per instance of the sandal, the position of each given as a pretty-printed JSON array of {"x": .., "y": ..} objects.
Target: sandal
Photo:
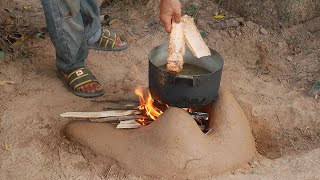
[
  {"x": 78, "y": 78},
  {"x": 107, "y": 42}
]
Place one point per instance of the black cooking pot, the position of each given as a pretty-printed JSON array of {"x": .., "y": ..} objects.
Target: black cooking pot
[{"x": 184, "y": 91}]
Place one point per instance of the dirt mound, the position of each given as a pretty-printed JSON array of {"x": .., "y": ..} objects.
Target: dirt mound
[
  {"x": 273, "y": 13},
  {"x": 174, "y": 146},
  {"x": 269, "y": 74}
]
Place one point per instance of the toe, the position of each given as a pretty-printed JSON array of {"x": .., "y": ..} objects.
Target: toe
[
  {"x": 97, "y": 87},
  {"x": 86, "y": 87},
  {"x": 91, "y": 87},
  {"x": 119, "y": 42},
  {"x": 82, "y": 89}
]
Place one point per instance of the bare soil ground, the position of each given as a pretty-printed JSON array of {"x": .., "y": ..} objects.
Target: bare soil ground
[{"x": 269, "y": 73}]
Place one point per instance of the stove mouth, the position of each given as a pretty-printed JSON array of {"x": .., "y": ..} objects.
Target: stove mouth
[{"x": 201, "y": 114}]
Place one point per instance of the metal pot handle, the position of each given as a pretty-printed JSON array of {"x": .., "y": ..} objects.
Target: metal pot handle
[{"x": 195, "y": 80}]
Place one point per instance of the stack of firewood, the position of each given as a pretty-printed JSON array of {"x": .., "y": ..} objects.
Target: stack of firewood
[
  {"x": 126, "y": 115},
  {"x": 123, "y": 114}
]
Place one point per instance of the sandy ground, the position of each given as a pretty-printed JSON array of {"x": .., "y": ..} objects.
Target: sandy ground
[{"x": 270, "y": 75}]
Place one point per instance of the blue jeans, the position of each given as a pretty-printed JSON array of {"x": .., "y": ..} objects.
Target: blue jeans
[{"x": 71, "y": 24}]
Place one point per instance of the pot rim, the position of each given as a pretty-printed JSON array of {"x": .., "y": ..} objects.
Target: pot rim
[{"x": 188, "y": 76}]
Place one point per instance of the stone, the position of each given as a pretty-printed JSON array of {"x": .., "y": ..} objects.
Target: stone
[
  {"x": 250, "y": 24},
  {"x": 289, "y": 58},
  {"x": 263, "y": 31}
]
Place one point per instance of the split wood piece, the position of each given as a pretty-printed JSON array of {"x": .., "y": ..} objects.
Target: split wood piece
[
  {"x": 101, "y": 114},
  {"x": 193, "y": 38},
  {"x": 117, "y": 106},
  {"x": 129, "y": 124},
  {"x": 183, "y": 33},
  {"x": 117, "y": 118},
  {"x": 176, "y": 48}
]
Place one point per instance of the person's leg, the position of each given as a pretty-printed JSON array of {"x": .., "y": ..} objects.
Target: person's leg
[
  {"x": 67, "y": 32},
  {"x": 91, "y": 17}
]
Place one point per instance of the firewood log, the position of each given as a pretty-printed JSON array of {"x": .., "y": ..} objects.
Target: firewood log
[
  {"x": 193, "y": 38},
  {"x": 183, "y": 33},
  {"x": 129, "y": 124},
  {"x": 176, "y": 48}
]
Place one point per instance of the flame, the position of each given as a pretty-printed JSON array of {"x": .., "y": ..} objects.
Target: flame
[{"x": 146, "y": 104}]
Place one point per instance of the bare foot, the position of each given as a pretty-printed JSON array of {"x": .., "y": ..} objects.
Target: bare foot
[
  {"x": 119, "y": 42},
  {"x": 89, "y": 87}
]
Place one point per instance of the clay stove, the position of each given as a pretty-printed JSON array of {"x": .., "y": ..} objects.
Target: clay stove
[{"x": 173, "y": 146}]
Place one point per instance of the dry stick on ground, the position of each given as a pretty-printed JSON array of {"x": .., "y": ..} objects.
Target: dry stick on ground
[
  {"x": 120, "y": 101},
  {"x": 6, "y": 82}
]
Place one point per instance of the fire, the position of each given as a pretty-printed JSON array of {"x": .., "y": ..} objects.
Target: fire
[
  {"x": 146, "y": 104},
  {"x": 149, "y": 112}
]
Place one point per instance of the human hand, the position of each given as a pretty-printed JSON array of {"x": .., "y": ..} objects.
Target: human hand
[{"x": 170, "y": 10}]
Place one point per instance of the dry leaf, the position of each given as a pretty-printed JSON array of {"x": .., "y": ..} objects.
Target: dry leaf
[{"x": 218, "y": 17}]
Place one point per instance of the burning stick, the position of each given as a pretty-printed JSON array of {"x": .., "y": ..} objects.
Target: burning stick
[
  {"x": 176, "y": 48},
  {"x": 119, "y": 118}
]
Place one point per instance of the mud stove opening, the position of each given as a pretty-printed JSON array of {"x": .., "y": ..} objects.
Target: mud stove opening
[{"x": 151, "y": 109}]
